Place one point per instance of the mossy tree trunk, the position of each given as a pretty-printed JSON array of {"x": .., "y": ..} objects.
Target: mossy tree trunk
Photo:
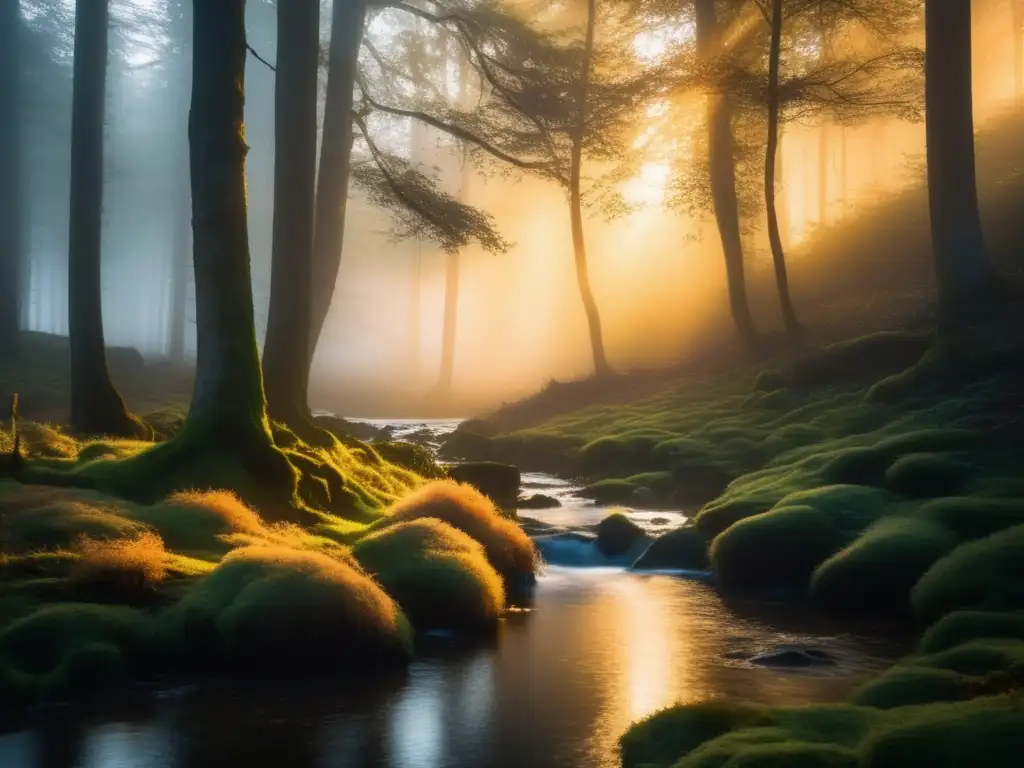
[
  {"x": 10, "y": 177},
  {"x": 96, "y": 406},
  {"x": 722, "y": 171},
  {"x": 228, "y": 409},
  {"x": 285, "y": 352},
  {"x": 965, "y": 277},
  {"x": 774, "y": 236},
  {"x": 347, "y": 22},
  {"x": 601, "y": 367}
]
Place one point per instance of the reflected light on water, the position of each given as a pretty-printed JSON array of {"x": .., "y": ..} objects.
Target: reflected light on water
[
  {"x": 416, "y": 728},
  {"x": 117, "y": 745}
]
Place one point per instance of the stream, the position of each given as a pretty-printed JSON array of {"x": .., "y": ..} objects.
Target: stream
[{"x": 599, "y": 647}]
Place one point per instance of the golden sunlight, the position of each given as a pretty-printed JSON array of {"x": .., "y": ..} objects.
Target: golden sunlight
[{"x": 649, "y": 186}]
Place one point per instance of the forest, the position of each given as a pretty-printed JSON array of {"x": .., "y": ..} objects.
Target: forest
[{"x": 512, "y": 382}]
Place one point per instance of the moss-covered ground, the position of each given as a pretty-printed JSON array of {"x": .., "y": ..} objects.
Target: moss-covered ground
[
  {"x": 103, "y": 584},
  {"x": 882, "y": 475}
]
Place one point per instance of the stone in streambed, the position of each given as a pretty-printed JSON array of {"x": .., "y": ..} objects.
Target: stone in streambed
[
  {"x": 616, "y": 534},
  {"x": 499, "y": 482},
  {"x": 538, "y": 501}
]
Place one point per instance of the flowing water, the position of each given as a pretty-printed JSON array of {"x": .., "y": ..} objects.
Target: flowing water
[{"x": 599, "y": 647}]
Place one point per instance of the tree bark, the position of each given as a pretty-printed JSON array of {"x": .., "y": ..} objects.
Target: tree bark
[
  {"x": 601, "y": 367},
  {"x": 451, "y": 273},
  {"x": 964, "y": 274},
  {"x": 774, "y": 238},
  {"x": 285, "y": 352},
  {"x": 11, "y": 225},
  {"x": 722, "y": 172},
  {"x": 347, "y": 22},
  {"x": 228, "y": 405},
  {"x": 96, "y": 406}
]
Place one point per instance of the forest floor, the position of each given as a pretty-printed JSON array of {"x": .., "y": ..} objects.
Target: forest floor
[{"x": 883, "y": 475}]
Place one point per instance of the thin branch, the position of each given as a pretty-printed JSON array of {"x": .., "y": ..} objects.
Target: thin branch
[{"x": 260, "y": 58}]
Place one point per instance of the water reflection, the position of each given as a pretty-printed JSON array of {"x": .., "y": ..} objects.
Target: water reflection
[{"x": 600, "y": 649}]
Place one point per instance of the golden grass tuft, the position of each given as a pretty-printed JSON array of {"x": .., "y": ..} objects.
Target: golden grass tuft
[
  {"x": 133, "y": 563},
  {"x": 462, "y": 506},
  {"x": 225, "y": 505}
]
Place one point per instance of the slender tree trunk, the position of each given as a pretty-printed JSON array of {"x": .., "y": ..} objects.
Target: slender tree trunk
[
  {"x": 451, "y": 273},
  {"x": 1017, "y": 9},
  {"x": 964, "y": 274},
  {"x": 11, "y": 224},
  {"x": 96, "y": 406},
  {"x": 782, "y": 205},
  {"x": 722, "y": 172},
  {"x": 823, "y": 147},
  {"x": 347, "y": 22},
  {"x": 286, "y": 350},
  {"x": 601, "y": 367},
  {"x": 774, "y": 238},
  {"x": 181, "y": 249}
]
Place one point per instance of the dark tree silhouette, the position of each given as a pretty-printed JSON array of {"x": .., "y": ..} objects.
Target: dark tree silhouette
[
  {"x": 96, "y": 406},
  {"x": 962, "y": 268},
  {"x": 286, "y": 350},
  {"x": 10, "y": 176}
]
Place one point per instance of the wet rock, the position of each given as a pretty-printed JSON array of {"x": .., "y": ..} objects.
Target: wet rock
[
  {"x": 467, "y": 446},
  {"x": 660, "y": 521},
  {"x": 342, "y": 427},
  {"x": 794, "y": 658},
  {"x": 538, "y": 501},
  {"x": 684, "y": 548},
  {"x": 499, "y": 482},
  {"x": 616, "y": 534},
  {"x": 533, "y": 527},
  {"x": 643, "y": 495}
]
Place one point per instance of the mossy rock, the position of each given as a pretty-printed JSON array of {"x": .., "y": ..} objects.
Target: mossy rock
[
  {"x": 272, "y": 609},
  {"x": 413, "y": 457},
  {"x": 974, "y": 517},
  {"x": 610, "y": 491},
  {"x": 984, "y": 732},
  {"x": 777, "y": 548},
  {"x": 879, "y": 569},
  {"x": 466, "y": 445},
  {"x": 439, "y": 575},
  {"x": 616, "y": 534},
  {"x": 985, "y": 573},
  {"x": 927, "y": 475},
  {"x": 907, "y": 685},
  {"x": 685, "y": 548},
  {"x": 499, "y": 482},
  {"x": 538, "y": 501},
  {"x": 963, "y": 626},
  {"x": 861, "y": 360}
]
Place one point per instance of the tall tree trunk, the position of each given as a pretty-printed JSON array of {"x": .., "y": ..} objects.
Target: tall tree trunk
[
  {"x": 782, "y": 206},
  {"x": 347, "y": 22},
  {"x": 1017, "y": 9},
  {"x": 722, "y": 171},
  {"x": 181, "y": 249},
  {"x": 96, "y": 406},
  {"x": 451, "y": 272},
  {"x": 601, "y": 367},
  {"x": 228, "y": 405},
  {"x": 11, "y": 225},
  {"x": 964, "y": 274},
  {"x": 286, "y": 350},
  {"x": 774, "y": 238}
]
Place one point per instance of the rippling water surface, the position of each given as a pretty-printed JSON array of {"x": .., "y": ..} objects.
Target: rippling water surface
[{"x": 599, "y": 648}]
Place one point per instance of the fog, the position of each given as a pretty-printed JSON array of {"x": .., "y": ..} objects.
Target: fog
[{"x": 658, "y": 275}]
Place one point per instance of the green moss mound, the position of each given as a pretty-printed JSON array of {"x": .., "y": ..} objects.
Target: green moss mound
[
  {"x": 437, "y": 574},
  {"x": 974, "y": 517},
  {"x": 616, "y": 534},
  {"x": 198, "y": 521},
  {"x": 987, "y": 573},
  {"x": 860, "y": 360},
  {"x": 877, "y": 571},
  {"x": 461, "y": 506},
  {"x": 925, "y": 475},
  {"x": 787, "y": 754},
  {"x": 962, "y": 626},
  {"x": 980, "y": 657},
  {"x": 685, "y": 548},
  {"x": 413, "y": 457},
  {"x": 268, "y": 609},
  {"x": 610, "y": 491},
  {"x": 904, "y": 686},
  {"x": 777, "y": 548},
  {"x": 985, "y": 732},
  {"x": 41, "y": 518},
  {"x": 659, "y": 740}
]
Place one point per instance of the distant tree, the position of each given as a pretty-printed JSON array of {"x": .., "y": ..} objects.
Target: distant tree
[
  {"x": 179, "y": 67},
  {"x": 11, "y": 224},
  {"x": 722, "y": 172},
  {"x": 965, "y": 277},
  {"x": 286, "y": 350},
  {"x": 96, "y": 406}
]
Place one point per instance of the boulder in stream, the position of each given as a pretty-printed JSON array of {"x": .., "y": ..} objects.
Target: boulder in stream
[
  {"x": 538, "y": 501},
  {"x": 499, "y": 482},
  {"x": 683, "y": 549},
  {"x": 616, "y": 534},
  {"x": 794, "y": 658}
]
